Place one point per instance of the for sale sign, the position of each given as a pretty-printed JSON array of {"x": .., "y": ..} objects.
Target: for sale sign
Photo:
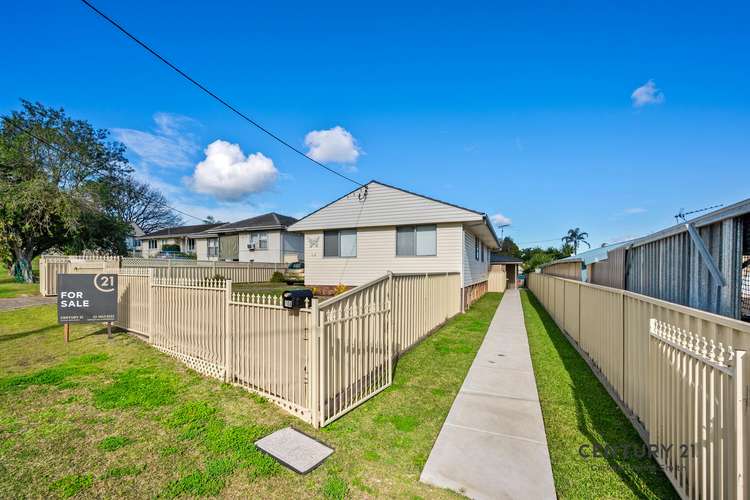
[{"x": 83, "y": 298}]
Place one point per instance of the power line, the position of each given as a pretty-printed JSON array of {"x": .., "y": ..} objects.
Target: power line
[
  {"x": 80, "y": 162},
  {"x": 213, "y": 95},
  {"x": 538, "y": 241}
]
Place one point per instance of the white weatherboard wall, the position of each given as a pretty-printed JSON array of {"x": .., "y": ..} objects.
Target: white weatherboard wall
[
  {"x": 474, "y": 270},
  {"x": 201, "y": 249},
  {"x": 376, "y": 255},
  {"x": 272, "y": 254}
]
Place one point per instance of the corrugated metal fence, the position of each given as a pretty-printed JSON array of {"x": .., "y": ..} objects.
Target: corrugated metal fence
[{"x": 677, "y": 370}]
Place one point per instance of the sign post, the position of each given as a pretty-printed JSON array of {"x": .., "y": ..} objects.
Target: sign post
[{"x": 86, "y": 298}]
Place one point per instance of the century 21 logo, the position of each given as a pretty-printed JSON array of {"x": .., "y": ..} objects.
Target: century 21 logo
[{"x": 104, "y": 283}]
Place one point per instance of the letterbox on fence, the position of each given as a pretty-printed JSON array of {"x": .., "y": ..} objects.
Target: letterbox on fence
[{"x": 297, "y": 299}]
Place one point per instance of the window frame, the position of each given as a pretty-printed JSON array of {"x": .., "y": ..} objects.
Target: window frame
[
  {"x": 152, "y": 244},
  {"x": 191, "y": 244},
  {"x": 414, "y": 228},
  {"x": 212, "y": 250},
  {"x": 476, "y": 247},
  {"x": 338, "y": 244},
  {"x": 259, "y": 239}
]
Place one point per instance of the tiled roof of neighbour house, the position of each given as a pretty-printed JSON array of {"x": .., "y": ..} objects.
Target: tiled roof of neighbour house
[
  {"x": 180, "y": 230},
  {"x": 504, "y": 259},
  {"x": 271, "y": 220}
]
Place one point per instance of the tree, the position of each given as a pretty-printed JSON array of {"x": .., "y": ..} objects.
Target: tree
[
  {"x": 135, "y": 202},
  {"x": 509, "y": 247},
  {"x": 575, "y": 237},
  {"x": 51, "y": 185}
]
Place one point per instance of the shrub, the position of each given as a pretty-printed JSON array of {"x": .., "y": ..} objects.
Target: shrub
[
  {"x": 340, "y": 288},
  {"x": 277, "y": 277},
  {"x": 170, "y": 248}
]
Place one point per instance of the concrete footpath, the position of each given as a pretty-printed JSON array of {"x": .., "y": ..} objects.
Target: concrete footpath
[
  {"x": 19, "y": 302},
  {"x": 492, "y": 444}
]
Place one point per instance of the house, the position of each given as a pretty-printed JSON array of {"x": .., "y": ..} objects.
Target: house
[
  {"x": 178, "y": 239},
  {"x": 703, "y": 263},
  {"x": 133, "y": 240},
  {"x": 258, "y": 239},
  {"x": 380, "y": 228}
]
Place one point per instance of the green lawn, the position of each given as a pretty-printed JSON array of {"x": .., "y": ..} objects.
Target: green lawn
[
  {"x": 9, "y": 287},
  {"x": 99, "y": 418},
  {"x": 578, "y": 411}
]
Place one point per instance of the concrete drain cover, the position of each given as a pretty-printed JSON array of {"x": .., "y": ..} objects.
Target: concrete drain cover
[{"x": 296, "y": 450}]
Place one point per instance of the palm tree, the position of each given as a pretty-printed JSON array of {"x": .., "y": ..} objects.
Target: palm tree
[{"x": 575, "y": 237}]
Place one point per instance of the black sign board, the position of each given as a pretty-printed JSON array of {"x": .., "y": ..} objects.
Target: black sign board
[{"x": 83, "y": 298}]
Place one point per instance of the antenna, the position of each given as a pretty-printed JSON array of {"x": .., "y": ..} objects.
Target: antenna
[
  {"x": 681, "y": 216},
  {"x": 502, "y": 227}
]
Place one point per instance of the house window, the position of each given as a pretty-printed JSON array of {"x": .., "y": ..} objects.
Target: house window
[
  {"x": 191, "y": 245},
  {"x": 476, "y": 248},
  {"x": 152, "y": 244},
  {"x": 481, "y": 250},
  {"x": 416, "y": 241},
  {"x": 340, "y": 243},
  {"x": 213, "y": 247},
  {"x": 260, "y": 240}
]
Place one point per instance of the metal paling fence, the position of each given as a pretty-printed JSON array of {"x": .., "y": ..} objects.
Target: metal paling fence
[
  {"x": 651, "y": 368},
  {"x": 318, "y": 362}
]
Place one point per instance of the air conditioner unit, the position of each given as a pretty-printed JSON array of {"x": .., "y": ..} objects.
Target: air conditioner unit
[{"x": 251, "y": 246}]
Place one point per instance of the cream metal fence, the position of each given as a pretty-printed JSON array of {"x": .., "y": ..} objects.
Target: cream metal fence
[
  {"x": 613, "y": 329},
  {"x": 245, "y": 272},
  {"x": 270, "y": 350},
  {"x": 318, "y": 362},
  {"x": 497, "y": 279}
]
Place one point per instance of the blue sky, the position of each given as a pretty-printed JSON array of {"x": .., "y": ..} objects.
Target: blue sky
[{"x": 528, "y": 112}]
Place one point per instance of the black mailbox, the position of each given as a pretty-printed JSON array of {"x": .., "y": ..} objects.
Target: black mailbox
[{"x": 297, "y": 299}]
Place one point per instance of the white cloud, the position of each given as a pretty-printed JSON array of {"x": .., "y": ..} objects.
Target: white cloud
[
  {"x": 500, "y": 219},
  {"x": 634, "y": 211},
  {"x": 228, "y": 174},
  {"x": 647, "y": 94},
  {"x": 169, "y": 145},
  {"x": 335, "y": 145}
]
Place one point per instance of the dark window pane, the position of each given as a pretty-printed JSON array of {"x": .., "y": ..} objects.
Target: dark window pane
[{"x": 331, "y": 244}]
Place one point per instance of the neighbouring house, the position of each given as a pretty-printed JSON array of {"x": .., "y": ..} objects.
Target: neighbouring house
[
  {"x": 258, "y": 239},
  {"x": 180, "y": 239},
  {"x": 133, "y": 240},
  {"x": 380, "y": 228},
  {"x": 703, "y": 263}
]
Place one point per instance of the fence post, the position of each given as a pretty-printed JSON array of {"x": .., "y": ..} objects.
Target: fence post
[
  {"x": 169, "y": 268},
  {"x": 313, "y": 364},
  {"x": 390, "y": 334},
  {"x": 150, "y": 305},
  {"x": 739, "y": 428},
  {"x": 228, "y": 340}
]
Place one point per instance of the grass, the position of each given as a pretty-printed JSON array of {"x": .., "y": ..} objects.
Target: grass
[
  {"x": 99, "y": 418},
  {"x": 10, "y": 288},
  {"x": 578, "y": 411}
]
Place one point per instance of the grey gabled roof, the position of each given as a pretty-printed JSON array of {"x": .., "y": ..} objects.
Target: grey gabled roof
[
  {"x": 180, "y": 230},
  {"x": 504, "y": 259},
  {"x": 271, "y": 220}
]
